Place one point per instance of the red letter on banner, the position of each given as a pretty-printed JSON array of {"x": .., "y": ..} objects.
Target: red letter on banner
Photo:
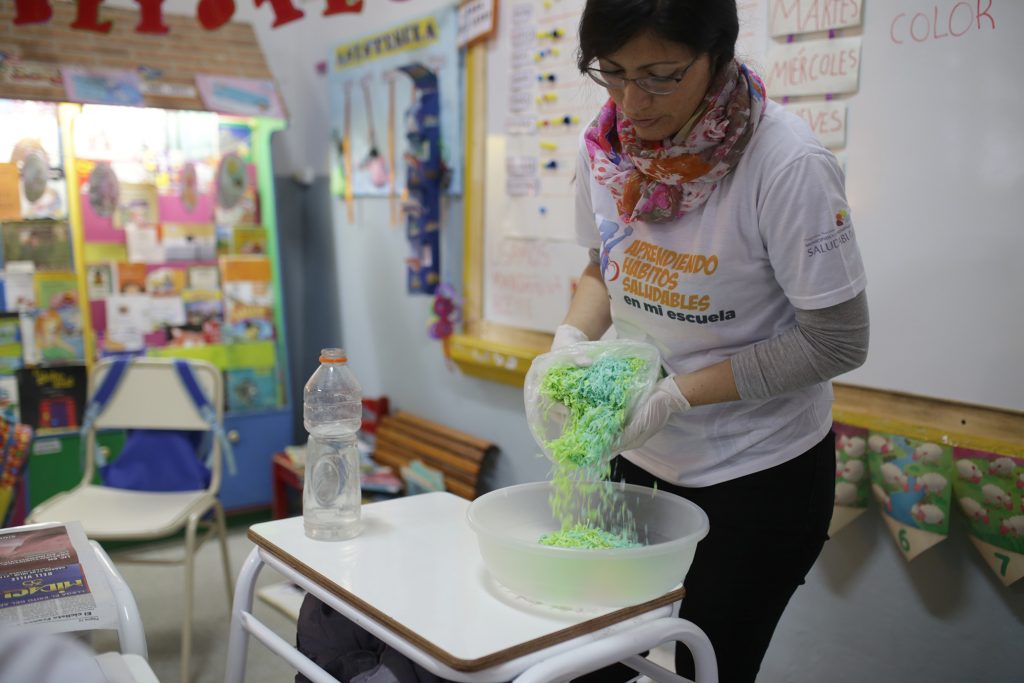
[
  {"x": 151, "y": 17},
  {"x": 284, "y": 11},
  {"x": 32, "y": 11},
  {"x": 89, "y": 17},
  {"x": 215, "y": 13},
  {"x": 340, "y": 6}
]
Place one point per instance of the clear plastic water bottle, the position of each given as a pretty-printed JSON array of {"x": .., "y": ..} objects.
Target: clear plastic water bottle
[{"x": 332, "y": 411}]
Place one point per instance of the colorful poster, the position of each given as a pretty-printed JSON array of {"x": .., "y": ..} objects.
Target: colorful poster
[
  {"x": 143, "y": 244},
  {"x": 251, "y": 388},
  {"x": 52, "y": 399},
  {"x": 188, "y": 195},
  {"x": 248, "y": 240},
  {"x": 239, "y": 96},
  {"x": 204, "y": 317},
  {"x": 30, "y": 139},
  {"x": 165, "y": 281},
  {"x": 99, "y": 280},
  {"x": 9, "y": 396},
  {"x": 989, "y": 489},
  {"x": 248, "y": 311},
  {"x": 103, "y": 86},
  {"x": 136, "y": 205},
  {"x": 853, "y": 488},
  {"x": 97, "y": 228},
  {"x": 58, "y": 321},
  {"x": 19, "y": 286},
  {"x": 127, "y": 322},
  {"x": 10, "y": 192},
  {"x": 911, "y": 481},
  {"x": 31, "y": 74},
  {"x": 103, "y": 189},
  {"x": 424, "y": 183},
  {"x": 248, "y": 298},
  {"x": 164, "y": 313},
  {"x": 188, "y": 241},
  {"x": 10, "y": 351},
  {"x": 203, "y": 277},
  {"x": 131, "y": 278},
  {"x": 371, "y": 97},
  {"x": 236, "y": 138},
  {"x": 46, "y": 244},
  {"x": 237, "y": 197}
]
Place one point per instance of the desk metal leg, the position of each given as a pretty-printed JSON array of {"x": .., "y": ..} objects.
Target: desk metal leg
[
  {"x": 286, "y": 650},
  {"x": 624, "y": 647},
  {"x": 238, "y": 640},
  {"x": 244, "y": 624}
]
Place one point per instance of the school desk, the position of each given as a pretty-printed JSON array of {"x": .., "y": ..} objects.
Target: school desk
[{"x": 414, "y": 578}]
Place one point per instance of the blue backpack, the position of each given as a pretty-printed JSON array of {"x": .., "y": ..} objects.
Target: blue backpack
[{"x": 158, "y": 459}]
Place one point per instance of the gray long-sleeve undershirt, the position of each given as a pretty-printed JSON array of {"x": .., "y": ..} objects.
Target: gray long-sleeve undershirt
[{"x": 824, "y": 343}]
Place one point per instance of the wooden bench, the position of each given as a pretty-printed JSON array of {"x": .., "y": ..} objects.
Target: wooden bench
[{"x": 403, "y": 437}]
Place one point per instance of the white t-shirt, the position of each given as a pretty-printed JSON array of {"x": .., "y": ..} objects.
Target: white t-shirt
[{"x": 775, "y": 235}]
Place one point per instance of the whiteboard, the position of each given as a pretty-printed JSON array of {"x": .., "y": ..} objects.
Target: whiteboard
[
  {"x": 934, "y": 157},
  {"x": 531, "y": 258}
]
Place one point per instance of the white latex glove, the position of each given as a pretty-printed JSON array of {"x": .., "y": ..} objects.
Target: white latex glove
[
  {"x": 652, "y": 414},
  {"x": 566, "y": 335}
]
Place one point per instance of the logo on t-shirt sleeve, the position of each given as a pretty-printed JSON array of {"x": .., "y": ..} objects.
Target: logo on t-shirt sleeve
[{"x": 833, "y": 238}]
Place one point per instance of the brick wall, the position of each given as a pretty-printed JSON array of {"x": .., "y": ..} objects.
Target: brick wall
[{"x": 187, "y": 49}]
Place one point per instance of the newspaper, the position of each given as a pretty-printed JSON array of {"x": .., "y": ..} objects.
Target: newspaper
[{"x": 52, "y": 579}]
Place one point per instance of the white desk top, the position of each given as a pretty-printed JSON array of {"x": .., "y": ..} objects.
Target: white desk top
[{"x": 417, "y": 569}]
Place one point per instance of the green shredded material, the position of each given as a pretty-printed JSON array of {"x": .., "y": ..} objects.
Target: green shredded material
[
  {"x": 588, "y": 537},
  {"x": 597, "y": 397}
]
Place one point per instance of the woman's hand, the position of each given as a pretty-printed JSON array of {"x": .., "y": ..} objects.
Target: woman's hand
[
  {"x": 566, "y": 335},
  {"x": 651, "y": 415}
]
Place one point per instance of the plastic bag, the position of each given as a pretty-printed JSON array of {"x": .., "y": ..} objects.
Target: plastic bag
[{"x": 579, "y": 397}]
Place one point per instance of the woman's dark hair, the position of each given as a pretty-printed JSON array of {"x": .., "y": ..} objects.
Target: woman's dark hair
[{"x": 705, "y": 26}]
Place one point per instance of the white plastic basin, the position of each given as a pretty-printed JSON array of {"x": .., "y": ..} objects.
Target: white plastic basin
[{"x": 508, "y": 523}]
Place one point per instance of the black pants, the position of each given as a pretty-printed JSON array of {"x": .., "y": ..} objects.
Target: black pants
[
  {"x": 347, "y": 651},
  {"x": 767, "y": 530}
]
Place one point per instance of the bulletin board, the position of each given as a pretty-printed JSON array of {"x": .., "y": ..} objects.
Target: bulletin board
[{"x": 930, "y": 142}]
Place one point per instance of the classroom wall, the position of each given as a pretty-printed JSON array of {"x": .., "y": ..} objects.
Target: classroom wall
[
  {"x": 312, "y": 305},
  {"x": 864, "y": 615},
  {"x": 385, "y": 332}
]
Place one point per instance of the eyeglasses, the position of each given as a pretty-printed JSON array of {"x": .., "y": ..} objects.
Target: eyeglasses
[{"x": 655, "y": 85}]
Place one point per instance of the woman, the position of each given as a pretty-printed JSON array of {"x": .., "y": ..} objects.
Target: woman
[{"x": 719, "y": 231}]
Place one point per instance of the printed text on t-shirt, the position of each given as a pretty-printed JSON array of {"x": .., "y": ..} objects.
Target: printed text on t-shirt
[{"x": 651, "y": 274}]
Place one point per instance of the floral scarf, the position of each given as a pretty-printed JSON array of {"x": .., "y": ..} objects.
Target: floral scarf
[{"x": 661, "y": 181}]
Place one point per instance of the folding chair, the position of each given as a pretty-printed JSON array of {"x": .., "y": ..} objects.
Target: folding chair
[{"x": 150, "y": 395}]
